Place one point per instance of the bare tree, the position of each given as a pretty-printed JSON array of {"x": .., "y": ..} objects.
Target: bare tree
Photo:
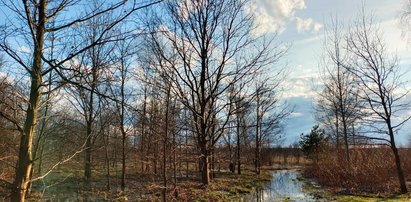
[
  {"x": 214, "y": 49},
  {"x": 121, "y": 90},
  {"x": 89, "y": 86},
  {"x": 241, "y": 99},
  {"x": 381, "y": 84},
  {"x": 270, "y": 111},
  {"x": 338, "y": 105}
]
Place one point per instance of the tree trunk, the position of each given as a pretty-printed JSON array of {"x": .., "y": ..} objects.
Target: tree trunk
[
  {"x": 175, "y": 160},
  {"x": 107, "y": 161},
  {"x": 123, "y": 160},
  {"x": 123, "y": 130},
  {"x": 257, "y": 138},
  {"x": 25, "y": 158},
  {"x": 186, "y": 153},
  {"x": 165, "y": 146},
  {"x": 89, "y": 122},
  {"x": 212, "y": 159},
  {"x": 143, "y": 132},
  {"x": 238, "y": 148},
  {"x": 400, "y": 173},
  {"x": 87, "y": 165},
  {"x": 205, "y": 169},
  {"x": 164, "y": 191}
]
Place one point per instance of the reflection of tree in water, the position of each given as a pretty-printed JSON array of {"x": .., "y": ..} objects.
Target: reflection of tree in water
[{"x": 284, "y": 185}]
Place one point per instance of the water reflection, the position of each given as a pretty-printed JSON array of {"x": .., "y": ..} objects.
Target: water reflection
[{"x": 283, "y": 186}]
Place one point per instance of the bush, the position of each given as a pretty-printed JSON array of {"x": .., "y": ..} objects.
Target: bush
[{"x": 371, "y": 170}]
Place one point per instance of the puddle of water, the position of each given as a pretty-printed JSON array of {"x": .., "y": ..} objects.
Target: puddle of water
[{"x": 283, "y": 186}]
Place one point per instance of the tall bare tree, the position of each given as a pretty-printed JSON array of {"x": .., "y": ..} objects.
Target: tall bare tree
[
  {"x": 88, "y": 87},
  {"x": 270, "y": 111},
  {"x": 214, "y": 49},
  {"x": 338, "y": 104},
  {"x": 122, "y": 92},
  {"x": 381, "y": 82}
]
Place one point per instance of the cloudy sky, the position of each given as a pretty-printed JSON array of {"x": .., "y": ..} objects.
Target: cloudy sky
[{"x": 302, "y": 23}]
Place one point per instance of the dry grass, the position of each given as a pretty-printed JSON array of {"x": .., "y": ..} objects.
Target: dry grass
[
  {"x": 370, "y": 170},
  {"x": 143, "y": 187},
  {"x": 225, "y": 187}
]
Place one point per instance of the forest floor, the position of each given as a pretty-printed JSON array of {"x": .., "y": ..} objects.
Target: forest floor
[
  {"x": 69, "y": 186},
  {"x": 225, "y": 187}
]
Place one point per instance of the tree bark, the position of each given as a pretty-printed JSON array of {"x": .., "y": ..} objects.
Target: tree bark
[
  {"x": 106, "y": 145},
  {"x": 257, "y": 134},
  {"x": 87, "y": 159},
  {"x": 238, "y": 147},
  {"x": 400, "y": 172},
  {"x": 25, "y": 160},
  {"x": 205, "y": 169},
  {"x": 165, "y": 146}
]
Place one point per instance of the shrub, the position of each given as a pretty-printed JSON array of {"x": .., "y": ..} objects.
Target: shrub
[{"x": 371, "y": 170}]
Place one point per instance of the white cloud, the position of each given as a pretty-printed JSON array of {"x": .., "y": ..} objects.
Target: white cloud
[
  {"x": 304, "y": 24},
  {"x": 274, "y": 15},
  {"x": 307, "y": 25},
  {"x": 296, "y": 114},
  {"x": 302, "y": 83},
  {"x": 309, "y": 41},
  {"x": 24, "y": 49},
  {"x": 317, "y": 27}
]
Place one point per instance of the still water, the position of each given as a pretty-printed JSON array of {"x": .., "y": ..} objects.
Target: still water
[{"x": 284, "y": 186}]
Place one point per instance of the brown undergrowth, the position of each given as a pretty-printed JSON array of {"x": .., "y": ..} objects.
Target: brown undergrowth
[{"x": 369, "y": 170}]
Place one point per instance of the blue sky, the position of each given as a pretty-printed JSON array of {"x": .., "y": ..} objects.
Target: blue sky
[{"x": 302, "y": 23}]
